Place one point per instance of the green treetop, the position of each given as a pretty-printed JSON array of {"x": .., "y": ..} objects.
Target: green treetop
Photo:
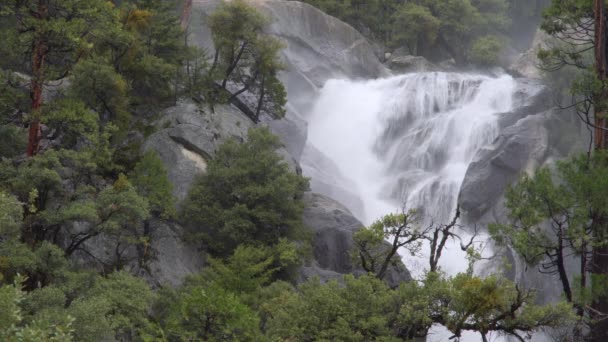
[
  {"x": 246, "y": 59},
  {"x": 247, "y": 195}
]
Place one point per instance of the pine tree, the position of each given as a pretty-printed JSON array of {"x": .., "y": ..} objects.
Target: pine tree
[
  {"x": 580, "y": 28},
  {"x": 245, "y": 60},
  {"x": 51, "y": 36}
]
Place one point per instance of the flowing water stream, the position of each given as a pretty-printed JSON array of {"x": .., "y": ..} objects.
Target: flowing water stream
[
  {"x": 406, "y": 139},
  {"x": 409, "y": 138}
]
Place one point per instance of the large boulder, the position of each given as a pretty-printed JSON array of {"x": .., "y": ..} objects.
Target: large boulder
[
  {"x": 520, "y": 147},
  {"x": 189, "y": 135},
  {"x": 172, "y": 260},
  {"x": 333, "y": 226},
  {"x": 533, "y": 138},
  {"x": 533, "y": 135}
]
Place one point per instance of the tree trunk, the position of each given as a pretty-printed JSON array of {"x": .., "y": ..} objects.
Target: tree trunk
[
  {"x": 599, "y": 330},
  {"x": 261, "y": 98},
  {"x": 601, "y": 67},
  {"x": 184, "y": 19},
  {"x": 39, "y": 53},
  {"x": 599, "y": 262}
]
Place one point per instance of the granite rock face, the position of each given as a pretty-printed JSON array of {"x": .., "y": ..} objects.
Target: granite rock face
[
  {"x": 189, "y": 135},
  {"x": 318, "y": 47},
  {"x": 167, "y": 261},
  {"x": 531, "y": 137},
  {"x": 333, "y": 226},
  {"x": 328, "y": 180},
  {"x": 519, "y": 148},
  {"x": 527, "y": 64},
  {"x": 171, "y": 260},
  {"x": 406, "y": 64}
]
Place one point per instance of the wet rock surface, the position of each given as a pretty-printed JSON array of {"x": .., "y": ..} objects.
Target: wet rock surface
[{"x": 333, "y": 226}]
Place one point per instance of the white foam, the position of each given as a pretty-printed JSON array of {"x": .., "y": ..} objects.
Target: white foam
[{"x": 410, "y": 139}]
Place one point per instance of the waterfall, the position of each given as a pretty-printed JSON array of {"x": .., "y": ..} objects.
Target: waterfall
[
  {"x": 409, "y": 139},
  {"x": 406, "y": 139}
]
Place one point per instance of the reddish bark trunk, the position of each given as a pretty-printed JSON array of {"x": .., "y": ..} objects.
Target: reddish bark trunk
[
  {"x": 599, "y": 265},
  {"x": 599, "y": 262},
  {"x": 186, "y": 13},
  {"x": 39, "y": 53},
  {"x": 601, "y": 67}
]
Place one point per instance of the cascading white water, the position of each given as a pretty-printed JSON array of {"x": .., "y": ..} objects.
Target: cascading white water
[{"x": 407, "y": 140}]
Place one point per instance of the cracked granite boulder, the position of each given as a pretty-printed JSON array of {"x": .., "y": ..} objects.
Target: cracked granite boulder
[{"x": 188, "y": 137}]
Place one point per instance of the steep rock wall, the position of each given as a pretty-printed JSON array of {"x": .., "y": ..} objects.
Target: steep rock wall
[{"x": 318, "y": 47}]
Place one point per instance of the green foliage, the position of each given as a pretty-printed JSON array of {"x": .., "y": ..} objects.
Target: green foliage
[
  {"x": 233, "y": 25},
  {"x": 371, "y": 251},
  {"x": 126, "y": 58},
  {"x": 562, "y": 15},
  {"x": 467, "y": 302},
  {"x": 365, "y": 309},
  {"x": 10, "y": 98},
  {"x": 81, "y": 211},
  {"x": 372, "y": 16},
  {"x": 152, "y": 75},
  {"x": 415, "y": 27},
  {"x": 96, "y": 309},
  {"x": 550, "y": 218},
  {"x": 571, "y": 52},
  {"x": 434, "y": 29},
  {"x": 91, "y": 309},
  {"x": 464, "y": 21},
  {"x": 148, "y": 49},
  {"x": 10, "y": 217},
  {"x": 101, "y": 88},
  {"x": 44, "y": 263},
  {"x": 75, "y": 124},
  {"x": 118, "y": 303},
  {"x": 211, "y": 314},
  {"x": 11, "y": 321},
  {"x": 12, "y": 137},
  {"x": 119, "y": 205},
  {"x": 67, "y": 29},
  {"x": 246, "y": 59},
  {"x": 248, "y": 195},
  {"x": 358, "y": 311},
  {"x": 149, "y": 177},
  {"x": 13, "y": 141},
  {"x": 249, "y": 268},
  {"x": 272, "y": 94},
  {"x": 485, "y": 50},
  {"x": 197, "y": 80}
]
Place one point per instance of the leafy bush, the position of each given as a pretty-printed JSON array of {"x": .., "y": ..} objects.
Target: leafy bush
[
  {"x": 248, "y": 195},
  {"x": 485, "y": 50}
]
